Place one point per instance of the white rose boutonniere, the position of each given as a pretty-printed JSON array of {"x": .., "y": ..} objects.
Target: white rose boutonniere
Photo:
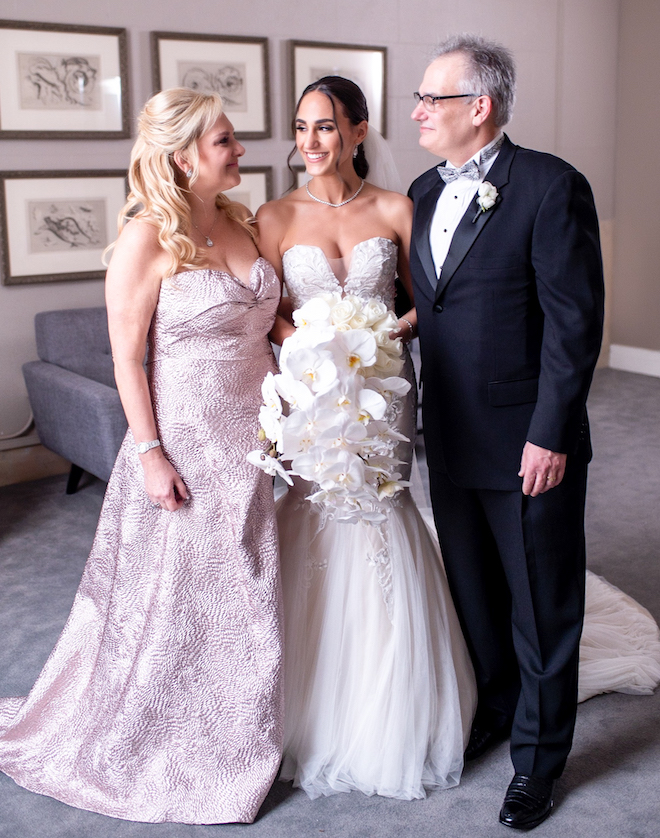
[{"x": 487, "y": 196}]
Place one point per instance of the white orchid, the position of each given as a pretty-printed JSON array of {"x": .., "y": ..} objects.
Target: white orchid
[
  {"x": 355, "y": 349},
  {"x": 314, "y": 312},
  {"x": 314, "y": 367},
  {"x": 301, "y": 429},
  {"x": 346, "y": 473},
  {"x": 389, "y": 488},
  {"x": 270, "y": 395},
  {"x": 388, "y": 387},
  {"x": 296, "y": 393},
  {"x": 339, "y": 374},
  {"x": 372, "y": 403},
  {"x": 312, "y": 465},
  {"x": 271, "y": 465},
  {"x": 270, "y": 422}
]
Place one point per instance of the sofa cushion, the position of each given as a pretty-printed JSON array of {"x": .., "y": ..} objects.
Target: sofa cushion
[{"x": 76, "y": 339}]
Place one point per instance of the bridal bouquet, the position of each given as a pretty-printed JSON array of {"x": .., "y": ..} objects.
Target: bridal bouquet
[{"x": 340, "y": 379}]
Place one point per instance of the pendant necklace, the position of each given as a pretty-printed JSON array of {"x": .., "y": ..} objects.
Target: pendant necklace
[
  {"x": 209, "y": 240},
  {"x": 328, "y": 203}
]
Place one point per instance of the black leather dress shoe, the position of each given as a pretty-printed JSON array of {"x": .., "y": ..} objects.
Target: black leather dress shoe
[
  {"x": 483, "y": 738},
  {"x": 527, "y": 802}
]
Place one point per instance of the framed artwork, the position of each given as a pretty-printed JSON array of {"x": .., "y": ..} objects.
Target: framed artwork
[
  {"x": 301, "y": 176},
  {"x": 62, "y": 82},
  {"x": 55, "y": 226},
  {"x": 235, "y": 67},
  {"x": 366, "y": 66},
  {"x": 255, "y": 188}
]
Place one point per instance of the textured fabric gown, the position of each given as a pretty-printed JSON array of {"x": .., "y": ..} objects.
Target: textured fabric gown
[
  {"x": 162, "y": 699},
  {"x": 379, "y": 688}
]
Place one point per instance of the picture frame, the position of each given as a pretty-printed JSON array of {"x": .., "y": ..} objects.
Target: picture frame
[
  {"x": 365, "y": 65},
  {"x": 63, "y": 82},
  {"x": 255, "y": 188},
  {"x": 54, "y": 226},
  {"x": 234, "y": 66},
  {"x": 301, "y": 176}
]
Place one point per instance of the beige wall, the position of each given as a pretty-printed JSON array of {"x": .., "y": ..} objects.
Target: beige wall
[
  {"x": 636, "y": 296},
  {"x": 566, "y": 52}
]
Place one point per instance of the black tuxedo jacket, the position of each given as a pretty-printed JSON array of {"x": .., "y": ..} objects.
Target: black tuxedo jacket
[{"x": 510, "y": 334}]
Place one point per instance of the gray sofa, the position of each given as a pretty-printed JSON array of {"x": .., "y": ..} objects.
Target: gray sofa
[{"x": 72, "y": 391}]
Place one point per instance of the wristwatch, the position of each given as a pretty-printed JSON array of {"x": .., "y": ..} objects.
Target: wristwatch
[{"x": 143, "y": 447}]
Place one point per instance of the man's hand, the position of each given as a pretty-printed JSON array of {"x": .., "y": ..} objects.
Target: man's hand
[{"x": 540, "y": 469}]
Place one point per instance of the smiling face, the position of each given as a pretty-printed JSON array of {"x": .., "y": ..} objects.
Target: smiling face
[
  {"x": 455, "y": 130},
  {"x": 325, "y": 137},
  {"x": 218, "y": 152}
]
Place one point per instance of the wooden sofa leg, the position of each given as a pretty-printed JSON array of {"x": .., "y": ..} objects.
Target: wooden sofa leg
[{"x": 74, "y": 479}]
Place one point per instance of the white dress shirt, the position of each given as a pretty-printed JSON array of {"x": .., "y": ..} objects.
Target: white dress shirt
[{"x": 452, "y": 205}]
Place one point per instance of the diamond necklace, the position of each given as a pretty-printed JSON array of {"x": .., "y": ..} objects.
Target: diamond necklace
[
  {"x": 328, "y": 203},
  {"x": 209, "y": 241}
]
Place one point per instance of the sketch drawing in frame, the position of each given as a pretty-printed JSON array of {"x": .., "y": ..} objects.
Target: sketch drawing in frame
[
  {"x": 233, "y": 66},
  {"x": 300, "y": 177},
  {"x": 255, "y": 188},
  {"x": 63, "y": 82},
  {"x": 364, "y": 65},
  {"x": 54, "y": 226}
]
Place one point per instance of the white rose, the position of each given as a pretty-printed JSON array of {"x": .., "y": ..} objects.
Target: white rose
[
  {"x": 359, "y": 321},
  {"x": 343, "y": 312},
  {"x": 374, "y": 311},
  {"x": 487, "y": 195}
]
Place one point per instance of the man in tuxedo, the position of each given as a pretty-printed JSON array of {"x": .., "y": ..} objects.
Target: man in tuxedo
[{"x": 507, "y": 274}]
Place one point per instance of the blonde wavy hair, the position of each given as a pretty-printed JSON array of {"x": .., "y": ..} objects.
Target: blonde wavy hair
[{"x": 173, "y": 120}]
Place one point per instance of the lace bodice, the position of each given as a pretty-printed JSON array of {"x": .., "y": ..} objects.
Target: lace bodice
[{"x": 307, "y": 272}]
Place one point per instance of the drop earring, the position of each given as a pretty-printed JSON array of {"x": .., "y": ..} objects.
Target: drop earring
[
  {"x": 189, "y": 173},
  {"x": 355, "y": 151}
]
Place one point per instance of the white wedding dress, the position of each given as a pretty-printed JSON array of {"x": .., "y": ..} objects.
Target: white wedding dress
[{"x": 379, "y": 689}]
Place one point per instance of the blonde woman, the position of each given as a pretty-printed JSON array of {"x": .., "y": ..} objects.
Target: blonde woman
[{"x": 162, "y": 700}]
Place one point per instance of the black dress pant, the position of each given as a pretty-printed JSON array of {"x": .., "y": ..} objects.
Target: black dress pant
[{"x": 516, "y": 568}]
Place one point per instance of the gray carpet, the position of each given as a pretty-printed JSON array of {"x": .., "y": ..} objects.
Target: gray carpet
[{"x": 611, "y": 787}]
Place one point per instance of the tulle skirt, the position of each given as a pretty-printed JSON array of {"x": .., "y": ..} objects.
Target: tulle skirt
[
  {"x": 620, "y": 645},
  {"x": 380, "y": 692}
]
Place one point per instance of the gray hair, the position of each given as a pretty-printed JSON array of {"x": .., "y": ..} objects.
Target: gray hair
[{"x": 491, "y": 71}]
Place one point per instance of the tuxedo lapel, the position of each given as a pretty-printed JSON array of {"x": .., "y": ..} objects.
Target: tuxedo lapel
[
  {"x": 469, "y": 228},
  {"x": 425, "y": 209}
]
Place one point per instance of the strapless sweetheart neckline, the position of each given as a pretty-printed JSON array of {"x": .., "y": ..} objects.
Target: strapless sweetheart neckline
[
  {"x": 352, "y": 250},
  {"x": 219, "y": 271},
  {"x": 327, "y": 261}
]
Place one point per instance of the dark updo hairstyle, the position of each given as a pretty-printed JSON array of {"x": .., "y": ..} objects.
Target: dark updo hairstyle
[{"x": 351, "y": 98}]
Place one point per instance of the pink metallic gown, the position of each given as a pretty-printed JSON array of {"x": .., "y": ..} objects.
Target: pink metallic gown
[{"x": 162, "y": 699}]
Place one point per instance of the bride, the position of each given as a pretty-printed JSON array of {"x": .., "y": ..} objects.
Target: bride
[
  {"x": 379, "y": 691},
  {"x": 379, "y": 688}
]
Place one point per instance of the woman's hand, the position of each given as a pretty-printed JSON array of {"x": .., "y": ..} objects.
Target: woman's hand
[
  {"x": 282, "y": 329},
  {"x": 407, "y": 326},
  {"x": 162, "y": 482}
]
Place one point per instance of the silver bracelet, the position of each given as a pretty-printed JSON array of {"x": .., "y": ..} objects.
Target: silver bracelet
[
  {"x": 409, "y": 324},
  {"x": 143, "y": 447}
]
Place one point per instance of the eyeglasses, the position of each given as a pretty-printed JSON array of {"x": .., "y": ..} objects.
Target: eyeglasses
[{"x": 431, "y": 102}]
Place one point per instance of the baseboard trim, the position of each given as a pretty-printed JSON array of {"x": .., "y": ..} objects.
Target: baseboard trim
[{"x": 635, "y": 359}]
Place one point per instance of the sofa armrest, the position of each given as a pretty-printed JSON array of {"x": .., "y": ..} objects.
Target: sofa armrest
[{"x": 76, "y": 417}]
